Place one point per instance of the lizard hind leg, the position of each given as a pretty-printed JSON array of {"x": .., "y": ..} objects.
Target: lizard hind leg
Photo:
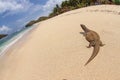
[
  {"x": 92, "y": 43},
  {"x": 101, "y": 44}
]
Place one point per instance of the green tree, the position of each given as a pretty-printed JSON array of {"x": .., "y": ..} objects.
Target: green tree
[
  {"x": 72, "y": 3},
  {"x": 64, "y": 4},
  {"x": 117, "y": 2},
  {"x": 56, "y": 10}
]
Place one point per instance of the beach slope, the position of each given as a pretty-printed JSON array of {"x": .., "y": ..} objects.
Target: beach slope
[{"x": 55, "y": 49}]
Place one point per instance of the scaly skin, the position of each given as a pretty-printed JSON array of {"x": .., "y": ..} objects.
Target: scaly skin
[{"x": 94, "y": 41}]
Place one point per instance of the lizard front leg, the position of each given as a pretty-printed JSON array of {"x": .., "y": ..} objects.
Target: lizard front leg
[{"x": 92, "y": 43}]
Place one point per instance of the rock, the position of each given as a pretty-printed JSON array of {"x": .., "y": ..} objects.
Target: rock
[{"x": 2, "y": 35}]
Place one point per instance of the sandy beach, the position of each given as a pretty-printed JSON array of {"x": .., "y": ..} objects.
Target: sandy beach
[{"x": 55, "y": 49}]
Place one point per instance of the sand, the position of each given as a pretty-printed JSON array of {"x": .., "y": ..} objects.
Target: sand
[{"x": 55, "y": 49}]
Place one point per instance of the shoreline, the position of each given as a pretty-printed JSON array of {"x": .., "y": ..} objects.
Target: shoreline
[{"x": 17, "y": 43}]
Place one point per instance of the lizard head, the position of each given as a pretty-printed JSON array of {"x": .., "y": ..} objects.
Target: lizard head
[{"x": 84, "y": 27}]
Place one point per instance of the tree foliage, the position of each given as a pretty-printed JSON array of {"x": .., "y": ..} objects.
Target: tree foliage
[{"x": 117, "y": 2}]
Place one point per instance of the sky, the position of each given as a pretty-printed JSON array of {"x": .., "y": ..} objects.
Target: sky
[{"x": 14, "y": 14}]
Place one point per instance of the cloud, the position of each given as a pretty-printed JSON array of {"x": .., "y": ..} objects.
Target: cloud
[
  {"x": 10, "y": 7},
  {"x": 34, "y": 12},
  {"x": 50, "y": 5},
  {"x": 28, "y": 11},
  {"x": 39, "y": 10},
  {"x": 14, "y": 6},
  {"x": 4, "y": 29}
]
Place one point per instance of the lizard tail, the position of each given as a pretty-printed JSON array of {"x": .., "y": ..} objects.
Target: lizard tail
[{"x": 95, "y": 52}]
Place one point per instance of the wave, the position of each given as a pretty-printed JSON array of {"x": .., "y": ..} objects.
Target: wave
[{"x": 8, "y": 41}]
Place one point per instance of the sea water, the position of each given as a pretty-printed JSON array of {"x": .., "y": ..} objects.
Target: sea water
[{"x": 7, "y": 42}]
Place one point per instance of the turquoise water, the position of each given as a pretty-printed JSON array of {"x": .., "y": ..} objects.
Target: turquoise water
[{"x": 11, "y": 39}]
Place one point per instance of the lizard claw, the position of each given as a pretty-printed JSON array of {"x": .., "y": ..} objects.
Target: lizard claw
[
  {"x": 88, "y": 46},
  {"x": 102, "y": 45}
]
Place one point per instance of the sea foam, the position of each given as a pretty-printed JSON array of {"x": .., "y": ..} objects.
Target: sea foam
[{"x": 7, "y": 42}]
